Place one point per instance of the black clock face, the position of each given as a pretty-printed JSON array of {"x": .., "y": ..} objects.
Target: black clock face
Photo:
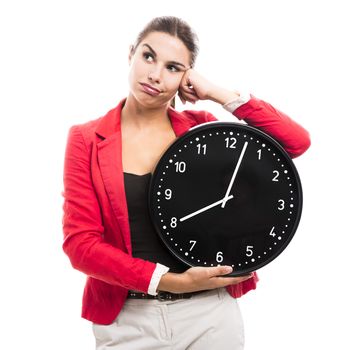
[{"x": 225, "y": 194}]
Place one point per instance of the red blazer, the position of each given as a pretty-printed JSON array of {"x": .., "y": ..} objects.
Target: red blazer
[{"x": 95, "y": 222}]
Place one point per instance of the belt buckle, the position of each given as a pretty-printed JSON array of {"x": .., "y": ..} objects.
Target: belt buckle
[{"x": 162, "y": 296}]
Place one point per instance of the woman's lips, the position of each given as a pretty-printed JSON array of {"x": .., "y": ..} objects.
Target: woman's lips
[{"x": 150, "y": 90}]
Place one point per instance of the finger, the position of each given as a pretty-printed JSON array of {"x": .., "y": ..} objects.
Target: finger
[
  {"x": 188, "y": 90},
  {"x": 189, "y": 97},
  {"x": 181, "y": 98},
  {"x": 233, "y": 280},
  {"x": 187, "y": 87},
  {"x": 220, "y": 270},
  {"x": 186, "y": 97},
  {"x": 220, "y": 282}
]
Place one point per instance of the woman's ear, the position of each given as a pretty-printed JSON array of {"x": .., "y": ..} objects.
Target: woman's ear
[{"x": 131, "y": 53}]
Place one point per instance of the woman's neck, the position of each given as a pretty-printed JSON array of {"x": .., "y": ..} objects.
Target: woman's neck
[{"x": 133, "y": 113}]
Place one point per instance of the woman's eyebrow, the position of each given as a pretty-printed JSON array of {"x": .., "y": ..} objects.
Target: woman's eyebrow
[{"x": 171, "y": 62}]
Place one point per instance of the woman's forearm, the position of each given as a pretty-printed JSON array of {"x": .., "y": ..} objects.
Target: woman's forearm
[{"x": 199, "y": 278}]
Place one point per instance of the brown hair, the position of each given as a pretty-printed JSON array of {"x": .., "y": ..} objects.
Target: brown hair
[{"x": 175, "y": 27}]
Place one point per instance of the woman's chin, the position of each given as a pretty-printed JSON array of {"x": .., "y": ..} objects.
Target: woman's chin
[{"x": 149, "y": 101}]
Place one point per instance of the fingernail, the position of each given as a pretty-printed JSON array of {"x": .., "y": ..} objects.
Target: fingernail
[{"x": 228, "y": 269}]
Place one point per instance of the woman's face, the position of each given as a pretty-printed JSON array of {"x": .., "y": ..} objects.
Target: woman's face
[{"x": 156, "y": 68}]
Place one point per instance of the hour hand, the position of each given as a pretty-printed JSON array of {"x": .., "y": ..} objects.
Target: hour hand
[{"x": 206, "y": 208}]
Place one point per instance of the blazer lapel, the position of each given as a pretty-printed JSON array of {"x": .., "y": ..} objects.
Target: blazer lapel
[{"x": 109, "y": 153}]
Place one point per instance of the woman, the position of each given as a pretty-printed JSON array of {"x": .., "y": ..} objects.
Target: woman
[{"x": 137, "y": 295}]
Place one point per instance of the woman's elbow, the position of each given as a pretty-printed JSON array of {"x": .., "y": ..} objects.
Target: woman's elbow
[{"x": 301, "y": 146}]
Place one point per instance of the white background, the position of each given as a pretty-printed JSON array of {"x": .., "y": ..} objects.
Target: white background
[{"x": 65, "y": 62}]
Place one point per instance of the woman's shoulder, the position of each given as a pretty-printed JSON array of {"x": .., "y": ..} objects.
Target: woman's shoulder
[
  {"x": 84, "y": 131},
  {"x": 87, "y": 126},
  {"x": 102, "y": 126},
  {"x": 194, "y": 117},
  {"x": 182, "y": 121}
]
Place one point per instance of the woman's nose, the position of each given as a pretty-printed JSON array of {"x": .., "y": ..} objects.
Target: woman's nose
[{"x": 155, "y": 75}]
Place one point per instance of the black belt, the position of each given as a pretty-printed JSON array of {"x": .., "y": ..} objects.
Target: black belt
[{"x": 162, "y": 296}]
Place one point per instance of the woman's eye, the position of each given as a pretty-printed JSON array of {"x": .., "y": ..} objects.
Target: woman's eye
[
  {"x": 173, "y": 68},
  {"x": 148, "y": 56}
]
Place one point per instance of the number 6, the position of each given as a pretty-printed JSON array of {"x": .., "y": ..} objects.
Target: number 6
[{"x": 219, "y": 257}]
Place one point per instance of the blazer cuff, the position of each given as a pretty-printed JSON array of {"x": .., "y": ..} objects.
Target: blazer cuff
[
  {"x": 159, "y": 271},
  {"x": 231, "y": 106}
]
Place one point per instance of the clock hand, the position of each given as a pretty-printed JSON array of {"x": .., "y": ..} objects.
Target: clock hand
[
  {"x": 205, "y": 208},
  {"x": 234, "y": 175}
]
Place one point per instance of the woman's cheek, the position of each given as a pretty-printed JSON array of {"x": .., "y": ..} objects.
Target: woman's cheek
[{"x": 177, "y": 84}]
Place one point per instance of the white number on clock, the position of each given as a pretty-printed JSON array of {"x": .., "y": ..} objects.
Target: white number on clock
[
  {"x": 259, "y": 153},
  {"x": 281, "y": 204},
  {"x": 202, "y": 148},
  {"x": 168, "y": 193},
  {"x": 230, "y": 142},
  {"x": 173, "y": 222},
  {"x": 275, "y": 178},
  {"x": 272, "y": 233},
  {"x": 219, "y": 257},
  {"x": 193, "y": 244},
  {"x": 249, "y": 250},
  {"x": 180, "y": 167}
]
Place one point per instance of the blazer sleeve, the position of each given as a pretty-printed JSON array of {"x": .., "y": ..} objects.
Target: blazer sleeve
[
  {"x": 83, "y": 226},
  {"x": 292, "y": 136}
]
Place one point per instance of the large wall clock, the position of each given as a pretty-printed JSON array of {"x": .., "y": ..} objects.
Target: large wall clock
[{"x": 225, "y": 193}]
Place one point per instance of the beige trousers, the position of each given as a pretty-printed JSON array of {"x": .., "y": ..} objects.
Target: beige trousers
[{"x": 210, "y": 320}]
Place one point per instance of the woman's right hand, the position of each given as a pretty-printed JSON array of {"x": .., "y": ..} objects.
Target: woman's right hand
[{"x": 199, "y": 278}]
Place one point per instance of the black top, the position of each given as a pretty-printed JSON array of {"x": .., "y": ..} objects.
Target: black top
[{"x": 145, "y": 241}]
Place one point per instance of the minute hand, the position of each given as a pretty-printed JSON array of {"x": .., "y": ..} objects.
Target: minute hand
[{"x": 234, "y": 175}]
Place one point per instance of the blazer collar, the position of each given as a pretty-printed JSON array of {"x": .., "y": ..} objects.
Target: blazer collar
[{"x": 110, "y": 123}]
